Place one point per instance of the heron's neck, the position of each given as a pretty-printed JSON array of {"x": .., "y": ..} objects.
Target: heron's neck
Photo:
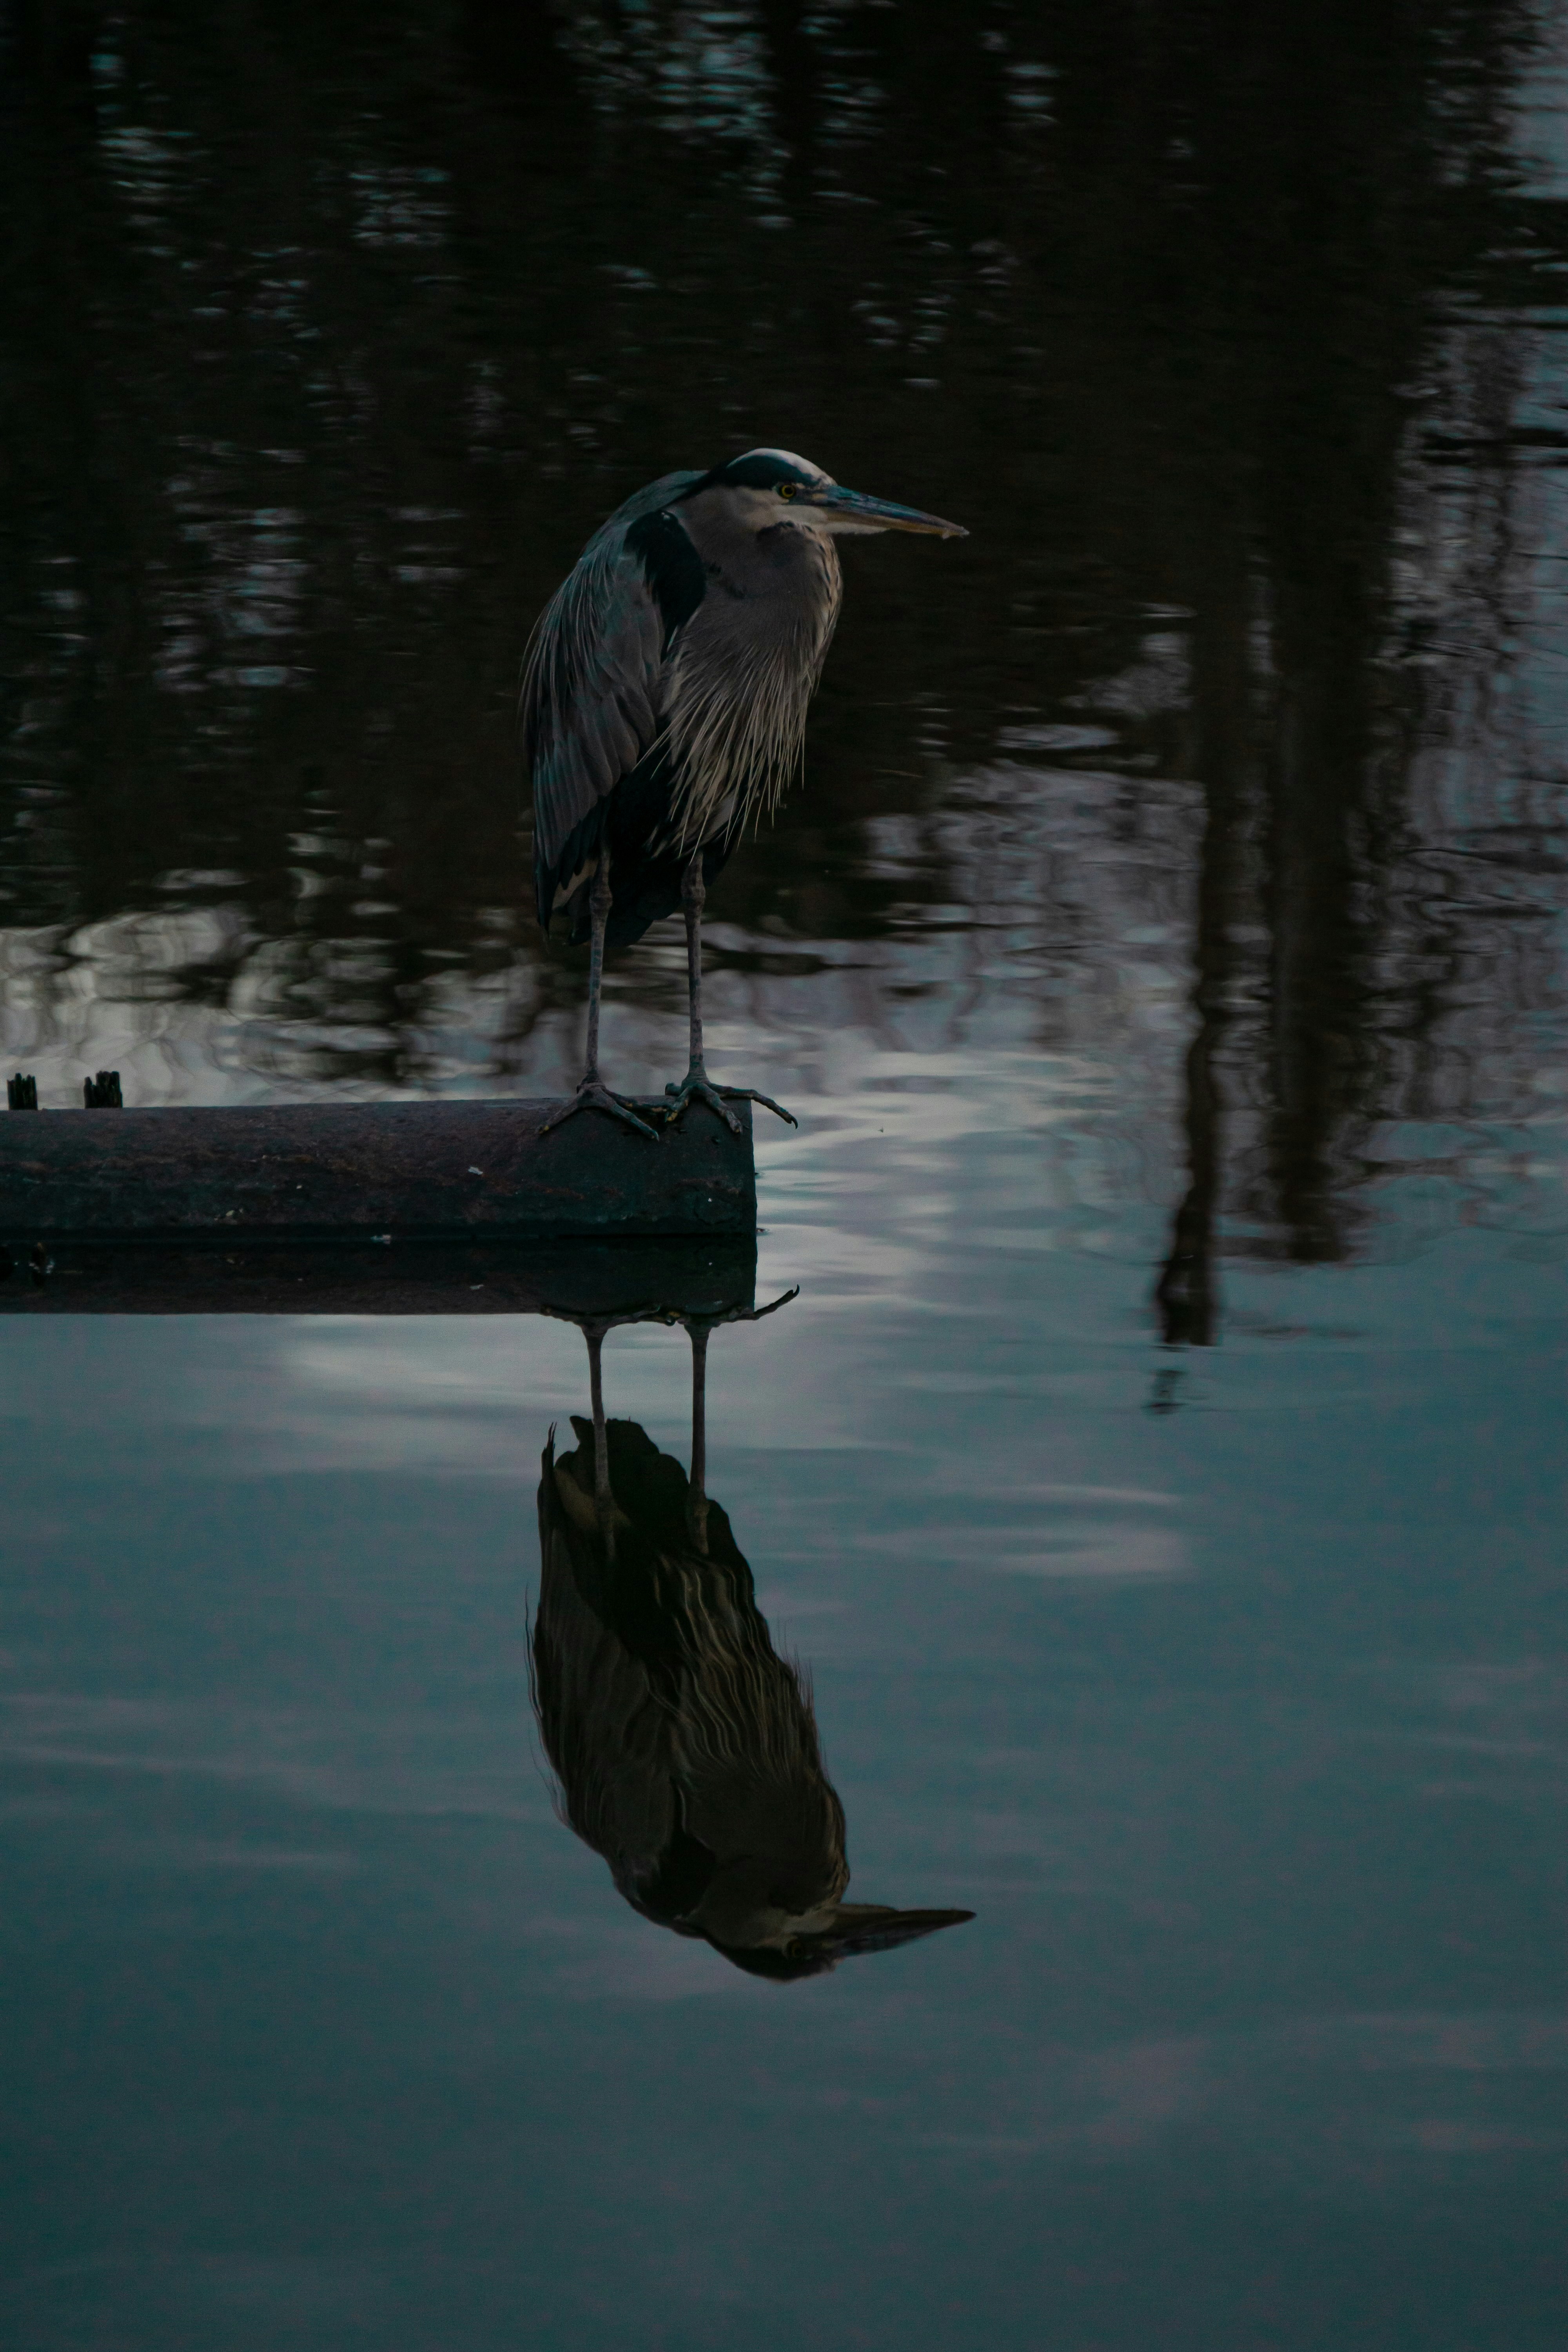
[{"x": 745, "y": 668}]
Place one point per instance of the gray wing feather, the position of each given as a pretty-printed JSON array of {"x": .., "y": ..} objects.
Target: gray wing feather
[{"x": 592, "y": 687}]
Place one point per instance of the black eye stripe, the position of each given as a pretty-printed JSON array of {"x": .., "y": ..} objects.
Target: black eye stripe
[{"x": 759, "y": 469}]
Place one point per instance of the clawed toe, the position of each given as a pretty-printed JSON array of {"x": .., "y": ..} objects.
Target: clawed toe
[
  {"x": 593, "y": 1096},
  {"x": 749, "y": 1094},
  {"x": 694, "y": 1087},
  {"x": 698, "y": 1090}
]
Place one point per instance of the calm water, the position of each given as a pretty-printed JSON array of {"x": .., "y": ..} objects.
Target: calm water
[{"x": 1160, "y": 1468}]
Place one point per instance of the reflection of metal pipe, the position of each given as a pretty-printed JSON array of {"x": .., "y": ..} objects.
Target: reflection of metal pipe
[{"x": 609, "y": 1281}]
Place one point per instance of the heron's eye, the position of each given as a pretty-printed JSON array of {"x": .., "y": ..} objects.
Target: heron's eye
[{"x": 788, "y": 489}]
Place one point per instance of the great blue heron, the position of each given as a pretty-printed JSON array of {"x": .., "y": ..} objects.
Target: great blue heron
[
  {"x": 664, "y": 702},
  {"x": 685, "y": 1746}
]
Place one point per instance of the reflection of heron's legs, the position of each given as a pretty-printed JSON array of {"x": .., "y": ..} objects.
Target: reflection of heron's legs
[
  {"x": 604, "y": 1502},
  {"x": 697, "y": 1493},
  {"x": 592, "y": 1094},
  {"x": 696, "y": 1085}
]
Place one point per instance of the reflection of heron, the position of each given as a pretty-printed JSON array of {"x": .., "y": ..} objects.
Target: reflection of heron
[
  {"x": 664, "y": 703},
  {"x": 685, "y": 1746}
]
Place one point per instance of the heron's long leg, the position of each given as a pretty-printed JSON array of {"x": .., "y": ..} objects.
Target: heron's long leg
[
  {"x": 603, "y": 1501},
  {"x": 697, "y": 1493},
  {"x": 592, "y": 1094},
  {"x": 696, "y": 1085},
  {"x": 693, "y": 899},
  {"x": 599, "y": 902}
]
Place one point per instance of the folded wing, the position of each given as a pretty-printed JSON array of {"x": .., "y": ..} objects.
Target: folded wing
[{"x": 594, "y": 676}]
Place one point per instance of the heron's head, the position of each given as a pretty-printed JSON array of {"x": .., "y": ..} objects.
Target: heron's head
[{"x": 769, "y": 487}]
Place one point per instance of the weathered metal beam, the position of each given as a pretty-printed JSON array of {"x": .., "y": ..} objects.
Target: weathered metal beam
[
  {"x": 472, "y": 1170},
  {"x": 584, "y": 1280}
]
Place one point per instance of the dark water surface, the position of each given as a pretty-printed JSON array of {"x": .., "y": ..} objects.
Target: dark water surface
[{"x": 1161, "y": 1470}]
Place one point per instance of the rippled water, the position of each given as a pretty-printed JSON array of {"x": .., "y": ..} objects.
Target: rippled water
[{"x": 1160, "y": 1468}]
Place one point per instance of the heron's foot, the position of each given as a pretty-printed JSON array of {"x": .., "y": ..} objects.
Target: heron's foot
[
  {"x": 697, "y": 1086},
  {"x": 593, "y": 1095}
]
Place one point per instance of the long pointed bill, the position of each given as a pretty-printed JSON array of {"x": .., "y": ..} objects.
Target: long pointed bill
[
  {"x": 851, "y": 511},
  {"x": 858, "y": 1928},
  {"x": 868, "y": 1927}
]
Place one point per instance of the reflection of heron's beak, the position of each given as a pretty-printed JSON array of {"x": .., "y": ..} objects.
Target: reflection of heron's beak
[
  {"x": 875, "y": 1927},
  {"x": 851, "y": 510},
  {"x": 857, "y": 1927}
]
